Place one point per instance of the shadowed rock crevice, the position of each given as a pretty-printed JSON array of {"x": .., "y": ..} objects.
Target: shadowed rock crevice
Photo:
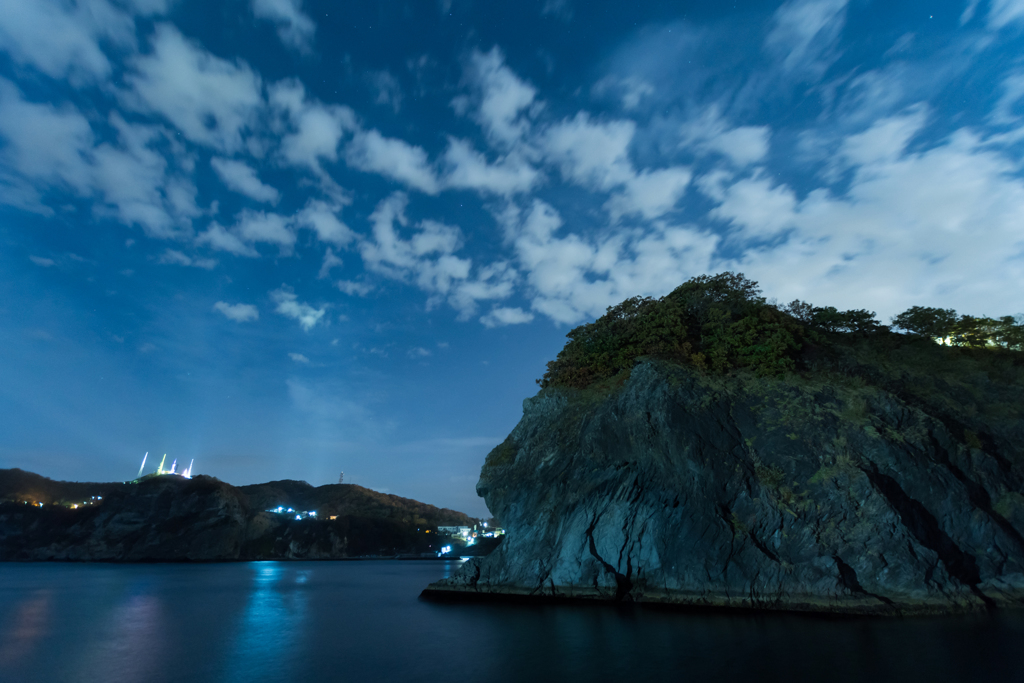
[
  {"x": 925, "y": 528},
  {"x": 848, "y": 577},
  {"x": 622, "y": 583}
]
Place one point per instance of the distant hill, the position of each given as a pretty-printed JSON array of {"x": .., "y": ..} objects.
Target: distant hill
[
  {"x": 350, "y": 499},
  {"x": 18, "y": 485},
  {"x": 168, "y": 518}
]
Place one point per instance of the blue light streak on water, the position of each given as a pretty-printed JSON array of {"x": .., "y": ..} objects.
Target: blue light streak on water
[{"x": 273, "y": 622}]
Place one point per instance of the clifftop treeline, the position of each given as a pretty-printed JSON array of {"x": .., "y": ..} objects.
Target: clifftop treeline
[{"x": 721, "y": 323}]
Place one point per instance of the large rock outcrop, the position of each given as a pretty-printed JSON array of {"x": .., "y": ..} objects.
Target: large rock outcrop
[{"x": 882, "y": 489}]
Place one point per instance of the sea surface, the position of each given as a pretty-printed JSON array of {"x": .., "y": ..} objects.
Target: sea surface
[{"x": 363, "y": 621}]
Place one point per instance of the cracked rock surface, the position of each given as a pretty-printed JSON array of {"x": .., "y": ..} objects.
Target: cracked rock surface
[{"x": 799, "y": 494}]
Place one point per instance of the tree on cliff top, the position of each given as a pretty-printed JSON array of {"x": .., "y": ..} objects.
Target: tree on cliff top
[
  {"x": 715, "y": 322},
  {"x": 719, "y": 323}
]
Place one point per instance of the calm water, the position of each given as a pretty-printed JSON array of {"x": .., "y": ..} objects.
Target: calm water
[{"x": 362, "y": 621}]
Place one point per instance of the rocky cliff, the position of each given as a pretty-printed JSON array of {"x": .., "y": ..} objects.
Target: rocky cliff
[
  {"x": 173, "y": 519},
  {"x": 882, "y": 475}
]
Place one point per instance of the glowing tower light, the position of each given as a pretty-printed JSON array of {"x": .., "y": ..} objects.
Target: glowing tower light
[
  {"x": 160, "y": 470},
  {"x": 143, "y": 464},
  {"x": 174, "y": 466}
]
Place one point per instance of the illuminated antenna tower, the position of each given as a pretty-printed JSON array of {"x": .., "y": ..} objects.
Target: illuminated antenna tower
[
  {"x": 143, "y": 464},
  {"x": 160, "y": 470}
]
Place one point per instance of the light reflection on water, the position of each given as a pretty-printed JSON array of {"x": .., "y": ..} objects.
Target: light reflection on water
[
  {"x": 26, "y": 626},
  {"x": 362, "y": 621},
  {"x": 272, "y": 624}
]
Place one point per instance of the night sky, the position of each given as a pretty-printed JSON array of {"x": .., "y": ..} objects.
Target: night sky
[{"x": 290, "y": 238}]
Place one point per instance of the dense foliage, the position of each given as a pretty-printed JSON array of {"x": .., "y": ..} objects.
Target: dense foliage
[{"x": 721, "y": 323}]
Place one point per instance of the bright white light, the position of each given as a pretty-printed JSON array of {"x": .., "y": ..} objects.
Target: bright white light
[{"x": 298, "y": 516}]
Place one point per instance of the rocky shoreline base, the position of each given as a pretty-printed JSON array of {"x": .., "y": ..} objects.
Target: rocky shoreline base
[{"x": 464, "y": 586}]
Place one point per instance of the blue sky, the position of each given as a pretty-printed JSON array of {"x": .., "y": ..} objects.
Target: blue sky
[{"x": 293, "y": 237}]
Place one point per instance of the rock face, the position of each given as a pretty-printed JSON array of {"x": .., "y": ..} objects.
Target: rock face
[{"x": 831, "y": 494}]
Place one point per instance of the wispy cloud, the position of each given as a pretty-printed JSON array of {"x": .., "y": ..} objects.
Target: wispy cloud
[
  {"x": 295, "y": 28},
  {"x": 288, "y": 305},
  {"x": 240, "y": 313}
]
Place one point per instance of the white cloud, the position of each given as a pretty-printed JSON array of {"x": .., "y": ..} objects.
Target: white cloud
[
  {"x": 45, "y": 144},
  {"x": 596, "y": 156},
  {"x": 322, "y": 217},
  {"x": 469, "y": 169},
  {"x": 572, "y": 277},
  {"x": 758, "y": 207},
  {"x": 879, "y": 245},
  {"x": 62, "y": 39},
  {"x": 294, "y": 27},
  {"x": 310, "y": 130},
  {"x": 240, "y": 313},
  {"x": 504, "y": 100},
  {"x": 631, "y": 90},
  {"x": 242, "y": 178},
  {"x": 500, "y": 316},
  {"x": 177, "y": 258},
  {"x": 370, "y": 151},
  {"x": 330, "y": 261},
  {"x": 354, "y": 288},
  {"x": 886, "y": 140},
  {"x": 591, "y": 154},
  {"x": 288, "y": 305},
  {"x": 298, "y": 358},
  {"x": 40, "y": 261},
  {"x": 492, "y": 282},
  {"x": 650, "y": 193},
  {"x": 272, "y": 228},
  {"x": 209, "y": 99},
  {"x": 49, "y": 147},
  {"x": 391, "y": 255},
  {"x": 217, "y": 237},
  {"x": 743, "y": 146},
  {"x": 427, "y": 259},
  {"x": 418, "y": 352},
  {"x": 1013, "y": 92},
  {"x": 135, "y": 179},
  {"x": 804, "y": 34},
  {"x": 1003, "y": 12},
  {"x": 968, "y": 13}
]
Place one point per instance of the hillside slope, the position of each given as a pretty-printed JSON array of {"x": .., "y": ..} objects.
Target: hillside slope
[{"x": 169, "y": 518}]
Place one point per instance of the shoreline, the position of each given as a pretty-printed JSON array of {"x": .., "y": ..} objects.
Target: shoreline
[{"x": 808, "y": 606}]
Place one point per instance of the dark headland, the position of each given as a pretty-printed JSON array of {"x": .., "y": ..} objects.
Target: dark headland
[
  {"x": 713, "y": 449},
  {"x": 172, "y": 519}
]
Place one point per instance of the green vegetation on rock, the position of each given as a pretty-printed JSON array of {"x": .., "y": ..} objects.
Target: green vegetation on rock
[{"x": 721, "y": 323}]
